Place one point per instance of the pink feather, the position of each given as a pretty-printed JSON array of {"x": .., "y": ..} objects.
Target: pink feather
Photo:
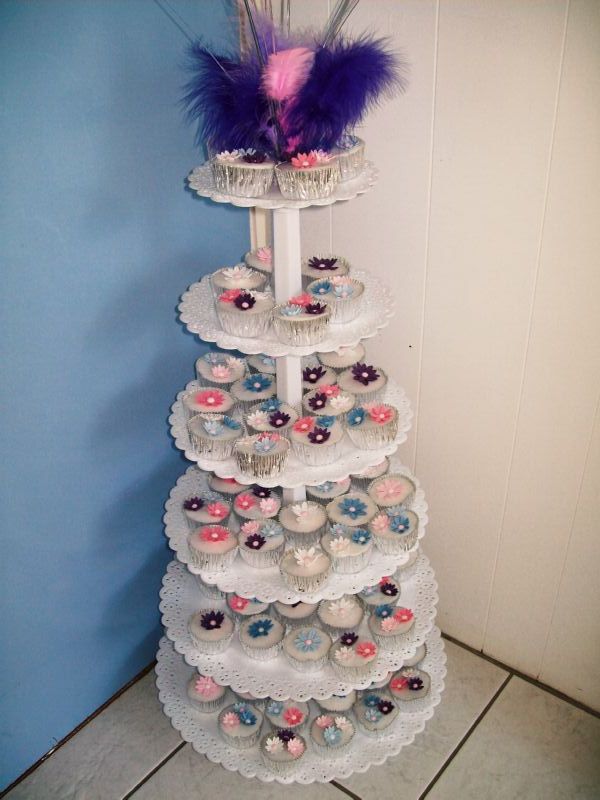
[{"x": 286, "y": 72}]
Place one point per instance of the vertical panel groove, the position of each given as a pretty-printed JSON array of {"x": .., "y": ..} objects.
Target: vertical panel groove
[{"x": 529, "y": 329}]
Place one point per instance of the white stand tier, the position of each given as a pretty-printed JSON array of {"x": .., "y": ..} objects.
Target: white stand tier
[{"x": 172, "y": 675}]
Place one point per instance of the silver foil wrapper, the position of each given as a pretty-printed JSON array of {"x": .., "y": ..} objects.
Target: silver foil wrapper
[
  {"x": 262, "y": 559},
  {"x": 400, "y": 544},
  {"x": 317, "y": 455},
  {"x": 242, "y": 323},
  {"x": 306, "y": 583},
  {"x": 211, "y": 648},
  {"x": 352, "y": 160},
  {"x": 262, "y": 653},
  {"x": 215, "y": 562},
  {"x": 373, "y": 437},
  {"x": 241, "y": 180},
  {"x": 310, "y": 184},
  {"x": 261, "y": 465},
  {"x": 207, "y": 446},
  {"x": 291, "y": 330}
]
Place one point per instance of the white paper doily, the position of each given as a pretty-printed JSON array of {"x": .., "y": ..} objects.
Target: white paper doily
[
  {"x": 296, "y": 473},
  {"x": 172, "y": 675},
  {"x": 197, "y": 311},
  {"x": 181, "y": 597},
  {"x": 267, "y": 584},
  {"x": 202, "y": 182}
]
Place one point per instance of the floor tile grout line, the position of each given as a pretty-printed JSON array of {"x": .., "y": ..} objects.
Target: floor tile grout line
[
  {"x": 346, "y": 791},
  {"x": 465, "y": 738},
  {"x": 153, "y": 771},
  {"x": 533, "y": 681}
]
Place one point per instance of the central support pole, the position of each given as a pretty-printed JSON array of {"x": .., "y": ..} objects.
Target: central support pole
[{"x": 287, "y": 276}]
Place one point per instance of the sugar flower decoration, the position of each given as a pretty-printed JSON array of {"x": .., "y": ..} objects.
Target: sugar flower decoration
[
  {"x": 325, "y": 421},
  {"x": 399, "y": 523},
  {"x": 303, "y": 299},
  {"x": 291, "y": 310},
  {"x": 257, "y": 419},
  {"x": 217, "y": 510},
  {"x": 296, "y": 747},
  {"x": 261, "y": 627},
  {"x": 372, "y": 715},
  {"x": 275, "y": 708},
  {"x": 251, "y": 526},
  {"x": 348, "y": 638},
  {"x": 343, "y": 290},
  {"x": 384, "y": 611},
  {"x": 264, "y": 254},
  {"x": 304, "y": 160},
  {"x": 300, "y": 510},
  {"x": 330, "y": 389},
  {"x": 415, "y": 683},
  {"x": 332, "y": 736},
  {"x": 228, "y": 155},
  {"x": 271, "y": 528},
  {"x": 361, "y": 536},
  {"x": 220, "y": 371},
  {"x": 255, "y": 541},
  {"x": 315, "y": 309},
  {"x": 252, "y": 156},
  {"x": 343, "y": 723},
  {"x": 388, "y": 588},
  {"x": 279, "y": 419},
  {"x": 337, "y": 529},
  {"x": 364, "y": 373},
  {"x": 265, "y": 444},
  {"x": 404, "y": 615},
  {"x": 324, "y": 721},
  {"x": 270, "y": 405},
  {"x": 352, "y": 507},
  {"x": 371, "y": 700},
  {"x": 313, "y": 374},
  {"x": 319, "y": 436},
  {"x": 342, "y": 607},
  {"x": 214, "y": 533},
  {"x": 318, "y": 401},
  {"x": 322, "y": 264},
  {"x": 257, "y": 383},
  {"x": 366, "y": 649},
  {"x": 246, "y": 716},
  {"x": 356, "y": 416},
  {"x": 381, "y": 414},
  {"x": 273, "y": 744},
  {"x": 339, "y": 545},
  {"x": 212, "y": 427},
  {"x": 268, "y": 506},
  {"x": 267, "y": 361},
  {"x": 389, "y": 625},
  {"x": 306, "y": 557},
  {"x": 343, "y": 654},
  {"x": 321, "y": 287},
  {"x": 286, "y": 735},
  {"x": 261, "y": 491},
  {"x": 230, "y": 295},
  {"x": 244, "y": 501},
  {"x": 231, "y": 423},
  {"x": 399, "y": 683},
  {"x": 230, "y": 720},
  {"x": 238, "y": 603},
  {"x": 237, "y": 273},
  {"x": 234, "y": 362},
  {"x": 326, "y": 486},
  {"x": 385, "y": 706},
  {"x": 307, "y": 640},
  {"x": 193, "y": 504},
  {"x": 343, "y": 402},
  {"x": 293, "y": 716},
  {"x": 304, "y": 425},
  {"x": 212, "y": 620},
  {"x": 380, "y": 523}
]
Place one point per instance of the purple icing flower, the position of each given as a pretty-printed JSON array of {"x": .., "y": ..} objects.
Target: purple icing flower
[
  {"x": 193, "y": 504},
  {"x": 244, "y": 301},
  {"x": 255, "y": 541},
  {"x": 322, "y": 264},
  {"x": 364, "y": 373},
  {"x": 385, "y": 706},
  {"x": 319, "y": 435},
  {"x": 313, "y": 374},
  {"x": 212, "y": 620},
  {"x": 254, "y": 157},
  {"x": 278, "y": 419},
  {"x": 388, "y": 589},
  {"x": 260, "y": 491},
  {"x": 415, "y": 683},
  {"x": 315, "y": 308},
  {"x": 318, "y": 401},
  {"x": 348, "y": 638},
  {"x": 286, "y": 735}
]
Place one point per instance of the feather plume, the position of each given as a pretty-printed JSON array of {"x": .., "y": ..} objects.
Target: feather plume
[{"x": 286, "y": 72}]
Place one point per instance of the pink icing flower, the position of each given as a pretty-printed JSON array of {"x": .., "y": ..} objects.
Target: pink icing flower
[
  {"x": 380, "y": 523},
  {"x": 268, "y": 506},
  {"x": 293, "y": 716},
  {"x": 229, "y": 295},
  {"x": 230, "y": 720},
  {"x": 380, "y": 413},
  {"x": 206, "y": 686},
  {"x": 301, "y": 300},
  {"x": 385, "y": 579},
  {"x": 366, "y": 649},
  {"x": 217, "y": 510},
  {"x": 403, "y": 615},
  {"x": 252, "y": 526},
  {"x": 304, "y": 160},
  {"x": 295, "y": 747},
  {"x": 389, "y": 624},
  {"x": 214, "y": 533},
  {"x": 209, "y": 397},
  {"x": 304, "y": 424},
  {"x": 330, "y": 390},
  {"x": 397, "y": 684},
  {"x": 322, "y": 156},
  {"x": 220, "y": 371},
  {"x": 238, "y": 603},
  {"x": 264, "y": 254},
  {"x": 324, "y": 721},
  {"x": 245, "y": 502},
  {"x": 388, "y": 490}
]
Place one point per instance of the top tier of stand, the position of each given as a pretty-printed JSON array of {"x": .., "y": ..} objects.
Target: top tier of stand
[{"x": 202, "y": 182}]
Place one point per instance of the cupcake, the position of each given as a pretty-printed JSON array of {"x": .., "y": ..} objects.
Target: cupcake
[
  {"x": 262, "y": 455},
  {"x": 257, "y": 502},
  {"x": 351, "y": 157},
  {"x": 419, "y": 655},
  {"x": 256, "y": 388},
  {"x": 348, "y": 548},
  {"x": 317, "y": 440},
  {"x": 212, "y": 547},
  {"x": 308, "y": 176},
  {"x": 259, "y": 420},
  {"x": 207, "y": 401},
  {"x": 344, "y": 614},
  {"x": 372, "y": 425},
  {"x": 338, "y": 703},
  {"x": 389, "y": 623},
  {"x": 243, "y": 173},
  {"x": 244, "y": 607},
  {"x": 392, "y": 490},
  {"x": 209, "y": 509},
  {"x": 342, "y": 294},
  {"x": 245, "y": 314},
  {"x": 281, "y": 750},
  {"x": 328, "y": 489},
  {"x": 302, "y": 321},
  {"x": 343, "y": 357},
  {"x": 409, "y": 684},
  {"x": 261, "y": 637},
  {"x": 217, "y": 369},
  {"x": 294, "y": 614},
  {"x": 261, "y": 259},
  {"x": 210, "y": 630},
  {"x": 386, "y": 592},
  {"x": 261, "y": 544},
  {"x": 364, "y": 381},
  {"x": 213, "y": 436},
  {"x": 314, "y": 375},
  {"x": 263, "y": 363},
  {"x": 303, "y": 522},
  {"x": 395, "y": 530},
  {"x": 323, "y": 265},
  {"x": 355, "y": 510},
  {"x": 240, "y": 724},
  {"x": 363, "y": 479},
  {"x": 375, "y": 711},
  {"x": 238, "y": 277},
  {"x": 331, "y": 734},
  {"x": 305, "y": 570},
  {"x": 292, "y": 714},
  {"x": 306, "y": 648},
  {"x": 351, "y": 657},
  {"x": 248, "y": 697},
  {"x": 205, "y": 695},
  {"x": 328, "y": 399},
  {"x": 226, "y": 486}
]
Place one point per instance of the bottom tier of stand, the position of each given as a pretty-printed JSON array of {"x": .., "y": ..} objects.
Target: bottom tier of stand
[{"x": 173, "y": 674}]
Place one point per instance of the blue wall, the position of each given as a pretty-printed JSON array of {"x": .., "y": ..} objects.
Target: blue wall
[{"x": 99, "y": 240}]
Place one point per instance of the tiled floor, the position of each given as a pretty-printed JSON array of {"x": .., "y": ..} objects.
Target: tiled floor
[{"x": 493, "y": 736}]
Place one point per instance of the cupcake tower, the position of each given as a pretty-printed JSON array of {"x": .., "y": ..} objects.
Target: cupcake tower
[{"x": 299, "y": 615}]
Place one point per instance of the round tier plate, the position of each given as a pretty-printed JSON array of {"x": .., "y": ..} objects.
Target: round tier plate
[
  {"x": 202, "y": 182},
  {"x": 172, "y": 675},
  {"x": 267, "y": 584},
  {"x": 296, "y": 473},
  {"x": 181, "y": 597},
  {"x": 197, "y": 311}
]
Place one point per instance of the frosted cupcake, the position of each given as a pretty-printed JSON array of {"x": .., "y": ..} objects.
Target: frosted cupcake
[
  {"x": 261, "y": 543},
  {"x": 342, "y": 294},
  {"x": 323, "y": 265},
  {"x": 419, "y": 655},
  {"x": 348, "y": 548},
  {"x": 261, "y": 259},
  {"x": 210, "y": 630},
  {"x": 305, "y": 570},
  {"x": 355, "y": 510},
  {"x": 238, "y": 277},
  {"x": 212, "y": 547},
  {"x": 261, "y": 637},
  {"x": 314, "y": 375},
  {"x": 372, "y": 425},
  {"x": 205, "y": 695},
  {"x": 304, "y": 523},
  {"x": 386, "y": 592},
  {"x": 255, "y": 388},
  {"x": 262, "y": 455},
  {"x": 263, "y": 363},
  {"x": 328, "y": 400},
  {"x": 308, "y": 176},
  {"x": 392, "y": 490},
  {"x": 207, "y": 401},
  {"x": 363, "y": 479},
  {"x": 243, "y": 173},
  {"x": 303, "y": 320},
  {"x": 281, "y": 751},
  {"x": 344, "y": 614},
  {"x": 207, "y": 510},
  {"x": 343, "y": 357},
  {"x": 331, "y": 735},
  {"x": 292, "y": 714},
  {"x": 351, "y": 657},
  {"x": 338, "y": 703},
  {"x": 364, "y": 381},
  {"x": 244, "y": 607},
  {"x": 375, "y": 711},
  {"x": 294, "y": 614},
  {"x": 351, "y": 157},
  {"x": 306, "y": 648},
  {"x": 395, "y": 530},
  {"x": 388, "y": 624},
  {"x": 213, "y": 436},
  {"x": 245, "y": 314},
  {"x": 217, "y": 369},
  {"x": 317, "y": 440},
  {"x": 240, "y": 724},
  {"x": 281, "y": 419},
  {"x": 409, "y": 684},
  {"x": 328, "y": 489},
  {"x": 257, "y": 502}
]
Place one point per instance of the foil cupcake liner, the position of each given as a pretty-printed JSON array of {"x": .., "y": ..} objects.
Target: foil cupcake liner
[
  {"x": 402, "y": 543},
  {"x": 208, "y": 590},
  {"x": 370, "y": 397},
  {"x": 262, "y": 559},
  {"x": 373, "y": 438},
  {"x": 388, "y": 643},
  {"x": 208, "y": 706},
  {"x": 317, "y": 455},
  {"x": 298, "y": 184},
  {"x": 280, "y": 767},
  {"x": 240, "y": 180},
  {"x": 215, "y": 562},
  {"x": 352, "y": 160},
  {"x": 291, "y": 330},
  {"x": 241, "y": 742},
  {"x": 351, "y": 564},
  {"x": 240, "y": 323},
  {"x": 309, "y": 539},
  {"x": 211, "y": 449},
  {"x": 211, "y": 648},
  {"x": 351, "y": 673},
  {"x": 346, "y": 309},
  {"x": 306, "y": 583},
  {"x": 306, "y": 666},
  {"x": 261, "y": 465},
  {"x": 295, "y": 623},
  {"x": 264, "y": 653}
]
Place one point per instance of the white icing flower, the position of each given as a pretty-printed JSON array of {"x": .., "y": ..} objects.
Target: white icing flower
[
  {"x": 301, "y": 510},
  {"x": 273, "y": 744},
  {"x": 341, "y": 280},
  {"x": 341, "y": 607},
  {"x": 339, "y": 545},
  {"x": 234, "y": 362},
  {"x": 257, "y": 419},
  {"x": 237, "y": 273},
  {"x": 306, "y": 557},
  {"x": 342, "y": 722},
  {"x": 343, "y": 402},
  {"x": 343, "y": 654},
  {"x": 227, "y": 155}
]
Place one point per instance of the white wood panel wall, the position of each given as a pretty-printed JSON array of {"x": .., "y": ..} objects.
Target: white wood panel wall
[{"x": 485, "y": 222}]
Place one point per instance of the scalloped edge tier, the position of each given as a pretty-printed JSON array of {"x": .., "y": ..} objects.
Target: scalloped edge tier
[
  {"x": 201, "y": 181},
  {"x": 197, "y": 311},
  {"x": 201, "y": 731}
]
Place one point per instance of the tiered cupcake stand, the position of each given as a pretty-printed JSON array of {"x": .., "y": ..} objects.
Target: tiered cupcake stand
[{"x": 181, "y": 595}]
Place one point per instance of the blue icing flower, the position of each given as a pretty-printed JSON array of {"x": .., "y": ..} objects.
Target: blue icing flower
[
  {"x": 212, "y": 427},
  {"x": 384, "y": 611},
  {"x": 257, "y": 383},
  {"x": 369, "y": 591},
  {"x": 264, "y": 445},
  {"x": 271, "y": 528},
  {"x": 332, "y": 735},
  {"x": 292, "y": 310},
  {"x": 371, "y": 700},
  {"x": 352, "y": 507},
  {"x": 393, "y": 511},
  {"x": 343, "y": 290},
  {"x": 399, "y": 523},
  {"x": 272, "y": 404},
  {"x": 337, "y": 529},
  {"x": 268, "y": 361},
  {"x": 325, "y": 487},
  {"x": 247, "y": 717},
  {"x": 261, "y": 627},
  {"x": 231, "y": 423},
  {"x": 237, "y": 707},
  {"x": 372, "y": 715},
  {"x": 275, "y": 708},
  {"x": 212, "y": 358},
  {"x": 325, "y": 422},
  {"x": 321, "y": 287},
  {"x": 307, "y": 641},
  {"x": 356, "y": 416},
  {"x": 361, "y": 536}
]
